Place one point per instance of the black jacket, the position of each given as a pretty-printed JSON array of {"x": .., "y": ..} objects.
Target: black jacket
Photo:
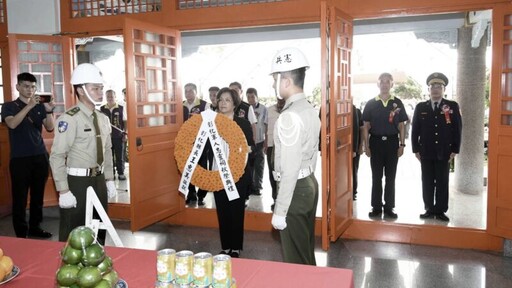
[{"x": 436, "y": 134}]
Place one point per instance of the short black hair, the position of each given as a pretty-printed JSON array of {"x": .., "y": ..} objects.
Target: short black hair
[
  {"x": 25, "y": 76},
  {"x": 213, "y": 88},
  {"x": 237, "y": 84},
  {"x": 75, "y": 89},
  {"x": 252, "y": 91},
  {"x": 191, "y": 85},
  {"x": 234, "y": 95},
  {"x": 386, "y": 75},
  {"x": 297, "y": 75}
]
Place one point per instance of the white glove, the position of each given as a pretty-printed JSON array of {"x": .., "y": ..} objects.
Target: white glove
[
  {"x": 279, "y": 222},
  {"x": 67, "y": 200},
  {"x": 111, "y": 189}
]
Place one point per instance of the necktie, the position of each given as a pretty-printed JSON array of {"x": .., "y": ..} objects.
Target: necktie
[
  {"x": 435, "y": 106},
  {"x": 99, "y": 146}
]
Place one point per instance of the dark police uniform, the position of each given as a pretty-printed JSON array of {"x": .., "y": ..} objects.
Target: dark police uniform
[
  {"x": 436, "y": 134},
  {"x": 196, "y": 108},
  {"x": 116, "y": 116},
  {"x": 384, "y": 143},
  {"x": 357, "y": 123},
  {"x": 74, "y": 164},
  {"x": 244, "y": 111}
]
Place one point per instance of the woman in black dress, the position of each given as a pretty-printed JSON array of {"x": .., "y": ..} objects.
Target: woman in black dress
[{"x": 231, "y": 213}]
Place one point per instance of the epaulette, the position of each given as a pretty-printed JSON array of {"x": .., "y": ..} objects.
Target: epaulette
[{"x": 73, "y": 111}]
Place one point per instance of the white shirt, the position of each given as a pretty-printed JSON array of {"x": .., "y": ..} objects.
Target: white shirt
[{"x": 296, "y": 145}]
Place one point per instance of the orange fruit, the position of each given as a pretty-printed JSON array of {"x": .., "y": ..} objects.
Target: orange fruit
[
  {"x": 2, "y": 274},
  {"x": 7, "y": 264}
]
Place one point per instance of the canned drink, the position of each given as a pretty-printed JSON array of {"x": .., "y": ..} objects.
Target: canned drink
[
  {"x": 221, "y": 271},
  {"x": 183, "y": 270},
  {"x": 165, "y": 263},
  {"x": 203, "y": 266}
]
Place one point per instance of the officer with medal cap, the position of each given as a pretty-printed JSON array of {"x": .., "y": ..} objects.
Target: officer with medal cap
[
  {"x": 296, "y": 136},
  {"x": 436, "y": 138},
  {"x": 81, "y": 154}
]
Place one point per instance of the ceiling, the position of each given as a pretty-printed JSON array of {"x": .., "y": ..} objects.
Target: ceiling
[{"x": 421, "y": 24}]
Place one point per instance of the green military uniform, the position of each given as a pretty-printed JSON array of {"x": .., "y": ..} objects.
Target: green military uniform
[
  {"x": 73, "y": 154},
  {"x": 296, "y": 149}
]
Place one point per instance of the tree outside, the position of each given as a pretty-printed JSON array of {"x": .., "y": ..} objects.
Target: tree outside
[{"x": 408, "y": 90}]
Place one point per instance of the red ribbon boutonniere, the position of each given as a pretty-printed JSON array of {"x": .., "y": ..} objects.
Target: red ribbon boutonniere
[
  {"x": 446, "y": 111},
  {"x": 393, "y": 112}
]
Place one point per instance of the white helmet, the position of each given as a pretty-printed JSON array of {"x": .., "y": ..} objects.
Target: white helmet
[
  {"x": 288, "y": 59},
  {"x": 86, "y": 73}
]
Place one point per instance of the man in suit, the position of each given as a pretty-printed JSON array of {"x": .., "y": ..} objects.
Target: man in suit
[{"x": 436, "y": 137}]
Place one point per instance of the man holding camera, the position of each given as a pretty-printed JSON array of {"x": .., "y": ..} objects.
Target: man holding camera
[{"x": 28, "y": 165}]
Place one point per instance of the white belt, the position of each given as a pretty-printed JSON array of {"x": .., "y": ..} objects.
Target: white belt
[
  {"x": 85, "y": 172},
  {"x": 303, "y": 173}
]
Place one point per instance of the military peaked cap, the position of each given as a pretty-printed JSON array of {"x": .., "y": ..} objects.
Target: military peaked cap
[{"x": 437, "y": 78}]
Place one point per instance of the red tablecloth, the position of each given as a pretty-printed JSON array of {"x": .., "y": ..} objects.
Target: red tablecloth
[{"x": 39, "y": 260}]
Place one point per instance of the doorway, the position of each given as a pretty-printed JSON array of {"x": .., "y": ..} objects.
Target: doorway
[
  {"x": 466, "y": 211},
  {"x": 107, "y": 53},
  {"x": 216, "y": 58}
]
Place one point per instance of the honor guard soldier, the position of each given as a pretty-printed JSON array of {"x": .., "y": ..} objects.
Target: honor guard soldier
[
  {"x": 296, "y": 136},
  {"x": 81, "y": 154},
  {"x": 436, "y": 137},
  {"x": 384, "y": 136}
]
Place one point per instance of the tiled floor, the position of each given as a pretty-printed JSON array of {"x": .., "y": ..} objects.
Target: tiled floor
[
  {"x": 375, "y": 264},
  {"x": 468, "y": 211}
]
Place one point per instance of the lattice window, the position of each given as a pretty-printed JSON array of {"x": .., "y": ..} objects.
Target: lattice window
[
  {"x": 44, "y": 60},
  {"x": 506, "y": 75},
  {"x": 191, "y": 4},
  {"x": 89, "y": 8},
  {"x": 2, "y": 11},
  {"x": 155, "y": 78}
]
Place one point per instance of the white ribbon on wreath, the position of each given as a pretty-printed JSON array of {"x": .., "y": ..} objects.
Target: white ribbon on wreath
[{"x": 209, "y": 130}]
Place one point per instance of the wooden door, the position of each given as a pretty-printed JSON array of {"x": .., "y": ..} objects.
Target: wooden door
[
  {"x": 336, "y": 115},
  {"x": 499, "y": 212},
  {"x": 154, "y": 118},
  {"x": 46, "y": 58}
]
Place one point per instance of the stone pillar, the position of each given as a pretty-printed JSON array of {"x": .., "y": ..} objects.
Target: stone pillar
[{"x": 470, "y": 96}]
